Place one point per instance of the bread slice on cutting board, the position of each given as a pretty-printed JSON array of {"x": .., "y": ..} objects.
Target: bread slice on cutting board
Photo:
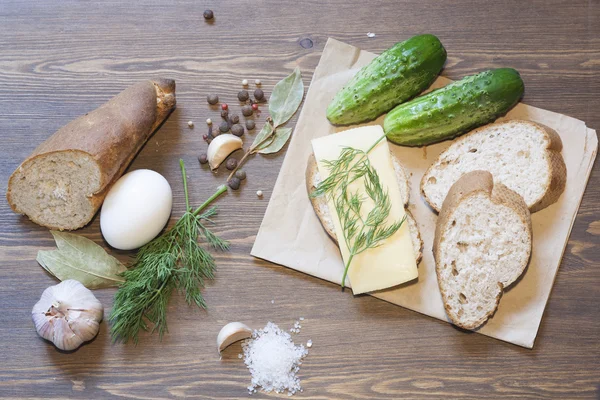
[
  {"x": 63, "y": 182},
  {"x": 524, "y": 156},
  {"x": 482, "y": 245},
  {"x": 322, "y": 210}
]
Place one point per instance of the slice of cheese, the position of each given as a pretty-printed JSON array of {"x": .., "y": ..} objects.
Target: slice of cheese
[{"x": 393, "y": 262}]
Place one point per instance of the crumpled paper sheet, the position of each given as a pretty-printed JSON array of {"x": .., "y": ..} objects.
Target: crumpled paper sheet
[{"x": 291, "y": 235}]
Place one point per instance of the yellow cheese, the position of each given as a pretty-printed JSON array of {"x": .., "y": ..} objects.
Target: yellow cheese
[{"x": 393, "y": 262}]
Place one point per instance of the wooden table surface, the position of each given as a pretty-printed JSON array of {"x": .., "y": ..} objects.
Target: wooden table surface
[{"x": 60, "y": 59}]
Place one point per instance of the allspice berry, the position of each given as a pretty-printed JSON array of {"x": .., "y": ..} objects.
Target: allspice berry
[
  {"x": 208, "y": 15},
  {"x": 212, "y": 99},
  {"x": 224, "y": 127},
  {"x": 224, "y": 114},
  {"x": 259, "y": 95},
  {"x": 235, "y": 119},
  {"x": 234, "y": 183},
  {"x": 231, "y": 164},
  {"x": 243, "y": 95},
  {"x": 240, "y": 174},
  {"x": 250, "y": 124},
  {"x": 237, "y": 130},
  {"x": 247, "y": 111},
  {"x": 203, "y": 158}
]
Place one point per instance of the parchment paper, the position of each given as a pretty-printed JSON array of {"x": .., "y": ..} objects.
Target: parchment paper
[{"x": 291, "y": 235}]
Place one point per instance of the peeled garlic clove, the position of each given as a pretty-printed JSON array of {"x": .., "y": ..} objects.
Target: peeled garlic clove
[
  {"x": 231, "y": 333},
  {"x": 68, "y": 314},
  {"x": 220, "y": 147}
]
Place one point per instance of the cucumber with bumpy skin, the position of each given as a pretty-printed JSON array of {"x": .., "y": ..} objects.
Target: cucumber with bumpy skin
[
  {"x": 396, "y": 75},
  {"x": 454, "y": 109}
]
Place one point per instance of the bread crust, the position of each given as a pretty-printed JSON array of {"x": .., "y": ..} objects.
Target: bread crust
[
  {"x": 318, "y": 203},
  {"x": 112, "y": 135},
  {"x": 558, "y": 170},
  {"x": 468, "y": 185}
]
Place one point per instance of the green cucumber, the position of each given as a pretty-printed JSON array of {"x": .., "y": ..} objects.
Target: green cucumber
[
  {"x": 454, "y": 109},
  {"x": 396, "y": 75}
]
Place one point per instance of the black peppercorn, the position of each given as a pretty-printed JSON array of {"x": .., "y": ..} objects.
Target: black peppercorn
[
  {"x": 208, "y": 14},
  {"x": 250, "y": 124},
  {"x": 203, "y": 158},
  {"x": 224, "y": 127},
  {"x": 224, "y": 114},
  {"x": 231, "y": 164},
  {"x": 243, "y": 95},
  {"x": 235, "y": 119},
  {"x": 212, "y": 99},
  {"x": 237, "y": 130},
  {"x": 247, "y": 111},
  {"x": 240, "y": 174},
  {"x": 234, "y": 183},
  {"x": 259, "y": 95}
]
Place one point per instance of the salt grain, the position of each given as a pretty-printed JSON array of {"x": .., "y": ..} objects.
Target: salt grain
[
  {"x": 273, "y": 360},
  {"x": 309, "y": 343}
]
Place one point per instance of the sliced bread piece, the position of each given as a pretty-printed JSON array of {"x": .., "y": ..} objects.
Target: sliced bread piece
[
  {"x": 522, "y": 155},
  {"x": 322, "y": 210},
  {"x": 63, "y": 182},
  {"x": 482, "y": 245}
]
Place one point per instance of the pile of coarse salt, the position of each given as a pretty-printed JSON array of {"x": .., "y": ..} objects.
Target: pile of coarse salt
[{"x": 273, "y": 360}]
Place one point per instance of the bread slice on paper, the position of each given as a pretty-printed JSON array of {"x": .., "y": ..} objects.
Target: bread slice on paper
[
  {"x": 522, "y": 155},
  {"x": 63, "y": 182},
  {"x": 482, "y": 245}
]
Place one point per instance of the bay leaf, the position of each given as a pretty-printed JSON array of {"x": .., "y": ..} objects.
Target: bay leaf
[
  {"x": 282, "y": 135},
  {"x": 266, "y": 130},
  {"x": 286, "y": 98},
  {"x": 81, "y": 259}
]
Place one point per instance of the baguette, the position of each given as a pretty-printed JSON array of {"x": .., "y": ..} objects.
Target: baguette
[
  {"x": 522, "y": 155},
  {"x": 322, "y": 210},
  {"x": 482, "y": 245},
  {"x": 63, "y": 182}
]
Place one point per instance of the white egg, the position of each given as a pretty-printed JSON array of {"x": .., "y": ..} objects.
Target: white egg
[{"x": 136, "y": 209}]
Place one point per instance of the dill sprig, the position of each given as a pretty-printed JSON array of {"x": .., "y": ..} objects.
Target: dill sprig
[
  {"x": 172, "y": 261},
  {"x": 360, "y": 232}
]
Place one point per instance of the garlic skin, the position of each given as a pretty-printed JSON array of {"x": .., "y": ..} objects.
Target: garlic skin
[
  {"x": 221, "y": 147},
  {"x": 68, "y": 314}
]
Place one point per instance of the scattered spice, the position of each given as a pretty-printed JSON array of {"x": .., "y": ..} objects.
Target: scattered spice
[
  {"x": 208, "y": 121},
  {"x": 244, "y": 82},
  {"x": 212, "y": 99},
  {"x": 259, "y": 193},
  {"x": 243, "y": 95},
  {"x": 203, "y": 158},
  {"x": 191, "y": 124},
  {"x": 273, "y": 360},
  {"x": 235, "y": 119},
  {"x": 250, "y": 124},
  {"x": 259, "y": 95},
  {"x": 208, "y": 15},
  {"x": 237, "y": 130},
  {"x": 224, "y": 114},
  {"x": 224, "y": 106},
  {"x": 234, "y": 183},
  {"x": 210, "y": 132},
  {"x": 224, "y": 127},
  {"x": 257, "y": 82},
  {"x": 231, "y": 164},
  {"x": 247, "y": 111},
  {"x": 240, "y": 174},
  {"x": 254, "y": 107}
]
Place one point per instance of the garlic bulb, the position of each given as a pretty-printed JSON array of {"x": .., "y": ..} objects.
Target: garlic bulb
[{"x": 67, "y": 314}]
